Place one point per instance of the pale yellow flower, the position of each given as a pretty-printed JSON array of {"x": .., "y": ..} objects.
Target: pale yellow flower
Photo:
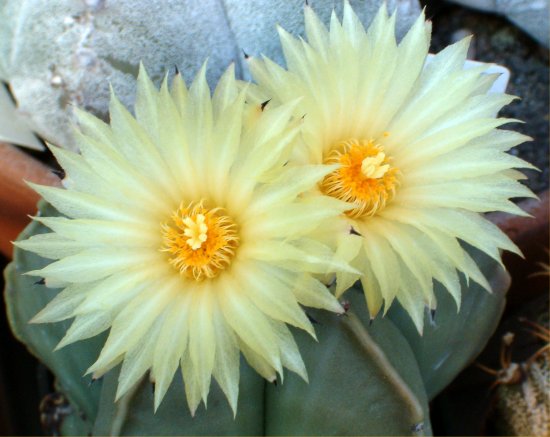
[
  {"x": 419, "y": 151},
  {"x": 186, "y": 235}
]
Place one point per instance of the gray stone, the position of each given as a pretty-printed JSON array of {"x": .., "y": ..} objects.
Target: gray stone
[
  {"x": 62, "y": 53},
  {"x": 530, "y": 15}
]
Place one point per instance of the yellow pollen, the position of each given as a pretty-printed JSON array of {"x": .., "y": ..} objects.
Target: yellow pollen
[
  {"x": 365, "y": 178},
  {"x": 201, "y": 241}
]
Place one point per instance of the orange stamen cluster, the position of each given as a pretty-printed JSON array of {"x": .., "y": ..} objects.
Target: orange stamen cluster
[
  {"x": 365, "y": 178},
  {"x": 202, "y": 241}
]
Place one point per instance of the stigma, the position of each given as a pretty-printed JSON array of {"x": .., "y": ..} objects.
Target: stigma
[
  {"x": 201, "y": 242},
  {"x": 365, "y": 178}
]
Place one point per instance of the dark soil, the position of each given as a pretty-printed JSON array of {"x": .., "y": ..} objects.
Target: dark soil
[{"x": 497, "y": 40}]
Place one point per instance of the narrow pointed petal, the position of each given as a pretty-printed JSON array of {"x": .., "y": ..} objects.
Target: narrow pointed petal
[{"x": 226, "y": 364}]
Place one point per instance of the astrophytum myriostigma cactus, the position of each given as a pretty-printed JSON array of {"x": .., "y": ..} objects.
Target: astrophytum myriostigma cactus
[{"x": 364, "y": 378}]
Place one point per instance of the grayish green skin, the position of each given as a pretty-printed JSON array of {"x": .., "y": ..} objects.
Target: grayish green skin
[
  {"x": 349, "y": 392},
  {"x": 63, "y": 53},
  {"x": 173, "y": 417},
  {"x": 451, "y": 340},
  {"x": 24, "y": 298},
  {"x": 365, "y": 378}
]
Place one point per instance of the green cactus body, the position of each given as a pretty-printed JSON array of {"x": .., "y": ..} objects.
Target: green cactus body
[{"x": 365, "y": 377}]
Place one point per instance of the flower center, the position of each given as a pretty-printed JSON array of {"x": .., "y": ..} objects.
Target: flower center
[
  {"x": 365, "y": 178},
  {"x": 201, "y": 241}
]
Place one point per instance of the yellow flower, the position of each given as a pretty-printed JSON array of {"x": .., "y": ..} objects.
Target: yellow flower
[
  {"x": 418, "y": 149},
  {"x": 186, "y": 235}
]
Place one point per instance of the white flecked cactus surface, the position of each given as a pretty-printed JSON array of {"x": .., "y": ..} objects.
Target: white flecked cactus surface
[{"x": 61, "y": 53}]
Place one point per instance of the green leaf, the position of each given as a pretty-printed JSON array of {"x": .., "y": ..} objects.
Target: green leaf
[
  {"x": 133, "y": 414},
  {"x": 351, "y": 390},
  {"x": 453, "y": 339},
  {"x": 24, "y": 298}
]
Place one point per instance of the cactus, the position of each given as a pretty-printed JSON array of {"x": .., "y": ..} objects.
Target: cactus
[
  {"x": 522, "y": 405},
  {"x": 364, "y": 377},
  {"x": 449, "y": 331},
  {"x": 523, "y": 408},
  {"x": 24, "y": 298}
]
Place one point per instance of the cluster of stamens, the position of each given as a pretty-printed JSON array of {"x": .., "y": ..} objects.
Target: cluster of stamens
[
  {"x": 201, "y": 241},
  {"x": 365, "y": 177}
]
